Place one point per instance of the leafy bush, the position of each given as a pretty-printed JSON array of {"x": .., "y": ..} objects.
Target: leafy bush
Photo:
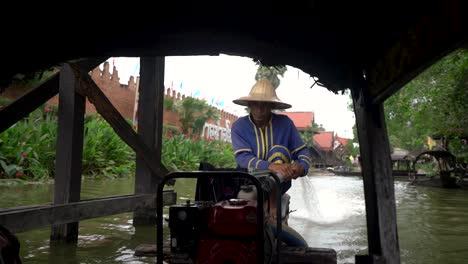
[
  {"x": 183, "y": 153},
  {"x": 104, "y": 153},
  {"x": 27, "y": 149}
]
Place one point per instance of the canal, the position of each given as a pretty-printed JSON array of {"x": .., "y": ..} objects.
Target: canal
[{"x": 328, "y": 210}]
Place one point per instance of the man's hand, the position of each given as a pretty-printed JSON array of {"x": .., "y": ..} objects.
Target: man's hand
[
  {"x": 285, "y": 169},
  {"x": 289, "y": 171},
  {"x": 298, "y": 170}
]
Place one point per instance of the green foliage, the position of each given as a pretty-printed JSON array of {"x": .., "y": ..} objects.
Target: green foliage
[
  {"x": 34, "y": 78},
  {"x": 352, "y": 147},
  {"x": 184, "y": 153},
  {"x": 28, "y": 149},
  {"x": 169, "y": 104},
  {"x": 434, "y": 103},
  {"x": 104, "y": 153},
  {"x": 172, "y": 130},
  {"x": 271, "y": 73},
  {"x": 4, "y": 102},
  {"x": 193, "y": 114},
  {"x": 308, "y": 135}
]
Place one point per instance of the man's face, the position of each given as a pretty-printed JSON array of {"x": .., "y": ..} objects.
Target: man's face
[{"x": 260, "y": 111}]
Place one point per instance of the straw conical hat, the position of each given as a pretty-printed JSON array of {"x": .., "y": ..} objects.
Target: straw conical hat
[{"x": 262, "y": 91}]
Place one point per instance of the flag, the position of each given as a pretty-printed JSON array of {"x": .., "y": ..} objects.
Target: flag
[
  {"x": 135, "y": 70},
  {"x": 197, "y": 94},
  {"x": 221, "y": 103},
  {"x": 180, "y": 87}
]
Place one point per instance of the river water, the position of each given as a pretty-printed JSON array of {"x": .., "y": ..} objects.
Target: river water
[{"x": 329, "y": 212}]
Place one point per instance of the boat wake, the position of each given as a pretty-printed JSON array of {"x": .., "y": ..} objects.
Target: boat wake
[{"x": 324, "y": 203}]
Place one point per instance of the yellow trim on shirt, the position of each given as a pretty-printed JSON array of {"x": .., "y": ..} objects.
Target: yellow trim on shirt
[
  {"x": 306, "y": 161},
  {"x": 271, "y": 133},
  {"x": 278, "y": 154},
  {"x": 263, "y": 144},
  {"x": 304, "y": 157},
  {"x": 283, "y": 147},
  {"x": 250, "y": 161},
  {"x": 242, "y": 150},
  {"x": 256, "y": 137},
  {"x": 299, "y": 148},
  {"x": 256, "y": 164}
]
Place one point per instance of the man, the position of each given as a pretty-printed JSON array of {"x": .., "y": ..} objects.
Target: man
[{"x": 267, "y": 141}]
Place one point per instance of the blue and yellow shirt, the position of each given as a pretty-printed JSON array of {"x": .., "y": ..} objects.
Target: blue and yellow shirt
[{"x": 279, "y": 142}]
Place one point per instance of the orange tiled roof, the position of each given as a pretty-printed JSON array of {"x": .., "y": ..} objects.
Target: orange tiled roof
[
  {"x": 343, "y": 141},
  {"x": 301, "y": 119},
  {"x": 324, "y": 140}
]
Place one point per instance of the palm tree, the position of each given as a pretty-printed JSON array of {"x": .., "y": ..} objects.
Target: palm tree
[{"x": 193, "y": 114}]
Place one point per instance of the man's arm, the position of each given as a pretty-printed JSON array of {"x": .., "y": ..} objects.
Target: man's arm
[
  {"x": 243, "y": 150},
  {"x": 302, "y": 157},
  {"x": 300, "y": 153},
  {"x": 246, "y": 159}
]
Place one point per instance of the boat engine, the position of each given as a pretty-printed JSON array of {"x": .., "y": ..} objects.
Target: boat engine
[
  {"x": 232, "y": 233},
  {"x": 225, "y": 230}
]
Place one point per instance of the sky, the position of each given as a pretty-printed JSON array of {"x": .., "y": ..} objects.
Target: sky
[{"x": 221, "y": 79}]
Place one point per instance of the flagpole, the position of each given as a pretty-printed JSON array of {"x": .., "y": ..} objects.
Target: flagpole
[{"x": 135, "y": 101}]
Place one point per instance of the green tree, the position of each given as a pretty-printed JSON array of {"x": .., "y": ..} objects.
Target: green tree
[
  {"x": 271, "y": 73},
  {"x": 434, "y": 103},
  {"x": 308, "y": 135},
  {"x": 352, "y": 146},
  {"x": 193, "y": 114}
]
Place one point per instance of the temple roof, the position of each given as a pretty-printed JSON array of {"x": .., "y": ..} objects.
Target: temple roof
[
  {"x": 324, "y": 139},
  {"x": 301, "y": 120}
]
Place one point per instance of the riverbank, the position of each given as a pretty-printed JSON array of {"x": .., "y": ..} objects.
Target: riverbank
[{"x": 16, "y": 182}]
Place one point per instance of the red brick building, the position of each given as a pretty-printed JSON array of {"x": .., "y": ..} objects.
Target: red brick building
[{"x": 123, "y": 97}]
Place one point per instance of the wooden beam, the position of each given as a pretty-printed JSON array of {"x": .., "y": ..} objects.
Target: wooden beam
[
  {"x": 37, "y": 96},
  {"x": 21, "y": 107},
  {"x": 26, "y": 218},
  {"x": 382, "y": 235},
  {"x": 150, "y": 123},
  {"x": 87, "y": 87},
  {"x": 425, "y": 42},
  {"x": 69, "y": 150}
]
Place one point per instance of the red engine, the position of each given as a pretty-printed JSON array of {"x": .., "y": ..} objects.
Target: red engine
[
  {"x": 232, "y": 230},
  {"x": 234, "y": 217},
  {"x": 229, "y": 237}
]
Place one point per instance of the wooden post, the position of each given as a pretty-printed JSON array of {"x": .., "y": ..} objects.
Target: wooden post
[
  {"x": 150, "y": 125},
  {"x": 69, "y": 151},
  {"x": 379, "y": 190}
]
